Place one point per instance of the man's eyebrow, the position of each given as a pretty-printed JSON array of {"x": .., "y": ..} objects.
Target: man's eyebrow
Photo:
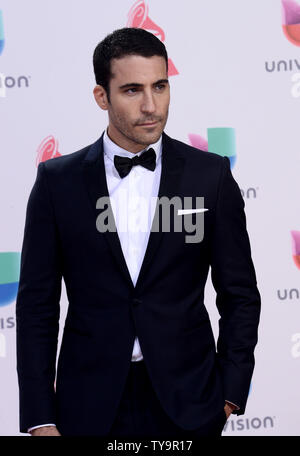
[
  {"x": 162, "y": 81},
  {"x": 137, "y": 84},
  {"x": 130, "y": 84}
]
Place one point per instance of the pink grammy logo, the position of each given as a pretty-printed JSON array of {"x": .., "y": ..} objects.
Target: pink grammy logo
[
  {"x": 47, "y": 149},
  {"x": 138, "y": 17}
]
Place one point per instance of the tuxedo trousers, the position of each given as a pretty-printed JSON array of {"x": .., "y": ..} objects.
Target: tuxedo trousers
[{"x": 141, "y": 415}]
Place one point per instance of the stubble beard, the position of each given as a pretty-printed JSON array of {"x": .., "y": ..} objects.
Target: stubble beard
[{"x": 126, "y": 129}]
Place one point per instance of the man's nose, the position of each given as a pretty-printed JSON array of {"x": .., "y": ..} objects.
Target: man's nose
[{"x": 148, "y": 104}]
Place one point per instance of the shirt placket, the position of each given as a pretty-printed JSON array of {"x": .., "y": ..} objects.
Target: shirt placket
[{"x": 134, "y": 222}]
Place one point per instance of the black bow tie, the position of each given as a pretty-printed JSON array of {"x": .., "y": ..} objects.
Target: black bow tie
[{"x": 124, "y": 164}]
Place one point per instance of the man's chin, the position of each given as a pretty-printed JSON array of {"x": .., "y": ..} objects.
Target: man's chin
[{"x": 150, "y": 137}]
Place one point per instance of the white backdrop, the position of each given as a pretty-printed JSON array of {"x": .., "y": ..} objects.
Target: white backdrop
[{"x": 236, "y": 69}]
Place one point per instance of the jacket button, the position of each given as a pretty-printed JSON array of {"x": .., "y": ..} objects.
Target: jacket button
[{"x": 136, "y": 301}]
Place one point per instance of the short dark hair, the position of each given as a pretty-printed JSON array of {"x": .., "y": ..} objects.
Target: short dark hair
[{"x": 122, "y": 42}]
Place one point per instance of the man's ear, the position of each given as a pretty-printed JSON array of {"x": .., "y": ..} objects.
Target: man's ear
[{"x": 100, "y": 96}]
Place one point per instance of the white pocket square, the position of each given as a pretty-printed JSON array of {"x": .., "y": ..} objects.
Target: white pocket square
[{"x": 190, "y": 211}]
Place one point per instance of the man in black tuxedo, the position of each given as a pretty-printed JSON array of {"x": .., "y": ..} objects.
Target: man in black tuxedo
[{"x": 138, "y": 357}]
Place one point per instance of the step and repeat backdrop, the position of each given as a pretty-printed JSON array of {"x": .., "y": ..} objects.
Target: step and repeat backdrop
[{"x": 235, "y": 90}]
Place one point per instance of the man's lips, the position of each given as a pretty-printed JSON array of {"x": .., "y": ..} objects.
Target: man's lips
[{"x": 147, "y": 124}]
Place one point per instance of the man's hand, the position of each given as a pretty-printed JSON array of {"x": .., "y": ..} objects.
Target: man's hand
[
  {"x": 46, "y": 431},
  {"x": 229, "y": 409}
]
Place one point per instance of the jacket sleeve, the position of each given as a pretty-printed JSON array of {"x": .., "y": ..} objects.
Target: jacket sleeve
[
  {"x": 238, "y": 299},
  {"x": 37, "y": 308}
]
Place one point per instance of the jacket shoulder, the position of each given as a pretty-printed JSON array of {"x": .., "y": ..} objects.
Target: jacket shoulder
[{"x": 67, "y": 161}]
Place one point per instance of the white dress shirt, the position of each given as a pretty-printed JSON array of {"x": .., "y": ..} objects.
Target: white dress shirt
[{"x": 133, "y": 200}]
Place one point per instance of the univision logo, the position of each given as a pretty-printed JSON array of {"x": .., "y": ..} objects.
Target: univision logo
[
  {"x": 291, "y": 29},
  {"x": 291, "y": 21},
  {"x": 220, "y": 141},
  {"x": 9, "y": 82},
  {"x": 282, "y": 65},
  {"x": 243, "y": 424},
  {"x": 9, "y": 277},
  {"x": 296, "y": 247},
  {"x": 292, "y": 294},
  {"x": 1, "y": 33}
]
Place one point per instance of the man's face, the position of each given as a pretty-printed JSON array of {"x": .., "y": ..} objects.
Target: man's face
[{"x": 139, "y": 101}]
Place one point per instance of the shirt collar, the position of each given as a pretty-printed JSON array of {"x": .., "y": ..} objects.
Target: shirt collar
[{"x": 111, "y": 149}]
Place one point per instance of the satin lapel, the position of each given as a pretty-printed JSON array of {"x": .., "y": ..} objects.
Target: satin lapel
[
  {"x": 95, "y": 179},
  {"x": 171, "y": 176}
]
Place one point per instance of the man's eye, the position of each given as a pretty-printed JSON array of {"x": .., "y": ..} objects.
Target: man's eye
[
  {"x": 160, "y": 86},
  {"x": 131, "y": 90}
]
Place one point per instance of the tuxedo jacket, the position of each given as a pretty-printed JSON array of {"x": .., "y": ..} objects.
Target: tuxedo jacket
[{"x": 192, "y": 373}]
